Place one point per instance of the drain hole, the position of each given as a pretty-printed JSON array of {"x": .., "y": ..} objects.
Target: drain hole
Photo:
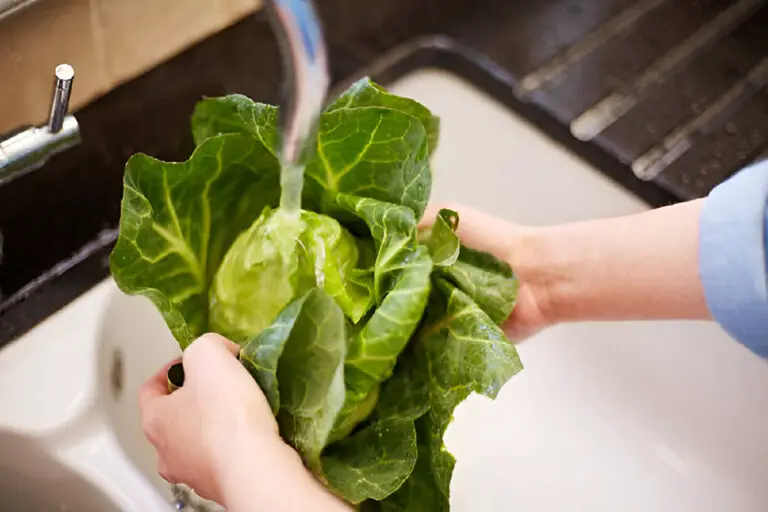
[{"x": 117, "y": 373}]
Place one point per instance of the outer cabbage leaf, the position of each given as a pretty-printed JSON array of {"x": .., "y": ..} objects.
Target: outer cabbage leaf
[
  {"x": 487, "y": 280},
  {"x": 406, "y": 394},
  {"x": 358, "y": 406},
  {"x": 309, "y": 371},
  {"x": 490, "y": 282},
  {"x": 366, "y": 93},
  {"x": 373, "y": 462},
  {"x": 419, "y": 493},
  {"x": 441, "y": 238},
  {"x": 179, "y": 219},
  {"x": 261, "y": 355},
  {"x": 402, "y": 276},
  {"x": 465, "y": 352},
  {"x": 236, "y": 114},
  {"x": 369, "y": 143},
  {"x": 374, "y": 152},
  {"x": 458, "y": 351},
  {"x": 393, "y": 229}
]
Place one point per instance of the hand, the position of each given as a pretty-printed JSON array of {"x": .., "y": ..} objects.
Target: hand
[
  {"x": 508, "y": 242},
  {"x": 634, "y": 267},
  {"x": 217, "y": 434},
  {"x": 220, "y": 411}
]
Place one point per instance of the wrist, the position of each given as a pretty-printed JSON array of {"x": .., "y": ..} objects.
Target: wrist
[
  {"x": 269, "y": 472},
  {"x": 531, "y": 258},
  {"x": 635, "y": 267},
  {"x": 250, "y": 461}
]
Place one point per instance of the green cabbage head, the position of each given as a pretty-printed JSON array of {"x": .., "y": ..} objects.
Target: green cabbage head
[{"x": 363, "y": 332}]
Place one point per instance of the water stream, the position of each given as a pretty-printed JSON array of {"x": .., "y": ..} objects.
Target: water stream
[{"x": 291, "y": 181}]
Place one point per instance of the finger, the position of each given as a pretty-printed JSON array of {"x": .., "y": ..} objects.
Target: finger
[
  {"x": 156, "y": 386},
  {"x": 207, "y": 347},
  {"x": 233, "y": 347},
  {"x": 429, "y": 215},
  {"x": 517, "y": 333}
]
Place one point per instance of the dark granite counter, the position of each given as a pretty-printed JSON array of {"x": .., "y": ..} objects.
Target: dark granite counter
[{"x": 673, "y": 91}]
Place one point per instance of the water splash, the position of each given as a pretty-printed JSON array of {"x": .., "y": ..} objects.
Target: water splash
[{"x": 187, "y": 500}]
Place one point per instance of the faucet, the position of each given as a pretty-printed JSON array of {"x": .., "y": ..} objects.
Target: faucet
[
  {"x": 30, "y": 149},
  {"x": 305, "y": 63}
]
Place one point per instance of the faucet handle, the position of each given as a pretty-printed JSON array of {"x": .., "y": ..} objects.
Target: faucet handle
[
  {"x": 30, "y": 149},
  {"x": 65, "y": 74}
]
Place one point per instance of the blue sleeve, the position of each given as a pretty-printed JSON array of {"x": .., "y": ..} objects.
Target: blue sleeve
[{"x": 733, "y": 256}]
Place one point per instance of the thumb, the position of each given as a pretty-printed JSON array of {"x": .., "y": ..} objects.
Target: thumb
[{"x": 478, "y": 230}]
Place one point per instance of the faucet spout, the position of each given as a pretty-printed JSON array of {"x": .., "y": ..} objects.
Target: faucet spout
[{"x": 305, "y": 62}]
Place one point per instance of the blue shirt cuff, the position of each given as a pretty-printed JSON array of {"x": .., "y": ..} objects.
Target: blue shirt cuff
[{"x": 732, "y": 256}]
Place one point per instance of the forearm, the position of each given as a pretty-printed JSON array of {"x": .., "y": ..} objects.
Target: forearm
[
  {"x": 643, "y": 266},
  {"x": 273, "y": 479}
]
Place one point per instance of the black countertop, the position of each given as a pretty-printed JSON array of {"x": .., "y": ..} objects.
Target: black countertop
[{"x": 675, "y": 91}]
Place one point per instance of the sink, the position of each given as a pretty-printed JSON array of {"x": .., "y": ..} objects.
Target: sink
[
  {"x": 69, "y": 414},
  {"x": 135, "y": 343},
  {"x": 669, "y": 416},
  {"x": 33, "y": 481}
]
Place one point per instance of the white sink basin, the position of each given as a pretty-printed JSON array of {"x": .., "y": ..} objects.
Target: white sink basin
[
  {"x": 61, "y": 389},
  {"x": 663, "y": 416},
  {"x": 33, "y": 481}
]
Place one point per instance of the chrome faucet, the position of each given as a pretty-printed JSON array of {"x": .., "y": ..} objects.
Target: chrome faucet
[
  {"x": 31, "y": 148},
  {"x": 305, "y": 63}
]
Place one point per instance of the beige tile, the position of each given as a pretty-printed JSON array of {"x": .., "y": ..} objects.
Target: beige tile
[
  {"x": 135, "y": 33},
  {"x": 32, "y": 43},
  {"x": 107, "y": 41}
]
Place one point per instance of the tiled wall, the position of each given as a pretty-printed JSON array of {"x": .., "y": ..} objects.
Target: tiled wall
[{"x": 107, "y": 41}]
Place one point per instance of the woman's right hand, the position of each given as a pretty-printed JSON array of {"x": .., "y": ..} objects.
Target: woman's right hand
[
  {"x": 643, "y": 266},
  {"x": 509, "y": 243}
]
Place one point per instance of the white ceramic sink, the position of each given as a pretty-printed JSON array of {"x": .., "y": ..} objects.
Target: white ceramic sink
[
  {"x": 631, "y": 417},
  {"x": 69, "y": 388},
  {"x": 33, "y": 481}
]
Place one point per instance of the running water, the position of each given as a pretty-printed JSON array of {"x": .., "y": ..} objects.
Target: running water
[
  {"x": 291, "y": 181},
  {"x": 292, "y": 226}
]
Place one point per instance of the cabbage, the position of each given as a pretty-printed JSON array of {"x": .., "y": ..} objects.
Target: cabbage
[{"x": 363, "y": 332}]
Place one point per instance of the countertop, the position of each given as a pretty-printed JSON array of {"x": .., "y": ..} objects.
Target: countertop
[{"x": 674, "y": 91}]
